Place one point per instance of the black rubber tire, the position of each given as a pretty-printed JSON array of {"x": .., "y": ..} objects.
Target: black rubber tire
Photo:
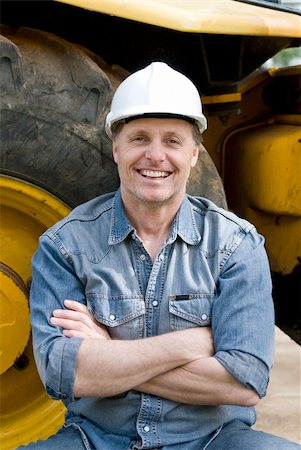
[{"x": 54, "y": 100}]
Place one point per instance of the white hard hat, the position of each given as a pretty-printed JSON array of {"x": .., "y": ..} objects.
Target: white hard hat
[{"x": 156, "y": 90}]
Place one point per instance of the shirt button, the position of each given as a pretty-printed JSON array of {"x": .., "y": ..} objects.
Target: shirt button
[
  {"x": 155, "y": 302},
  {"x": 146, "y": 428},
  {"x": 142, "y": 257},
  {"x": 112, "y": 317},
  {"x": 204, "y": 316},
  {"x": 161, "y": 257}
]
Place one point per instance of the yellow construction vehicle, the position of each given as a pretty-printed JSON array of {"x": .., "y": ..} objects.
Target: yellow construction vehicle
[{"x": 60, "y": 62}]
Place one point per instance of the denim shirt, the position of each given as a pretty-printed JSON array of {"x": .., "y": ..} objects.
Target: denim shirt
[{"x": 211, "y": 271}]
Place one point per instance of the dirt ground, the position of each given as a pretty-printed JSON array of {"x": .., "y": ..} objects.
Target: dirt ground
[{"x": 279, "y": 412}]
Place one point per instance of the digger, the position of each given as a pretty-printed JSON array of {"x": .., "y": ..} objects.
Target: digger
[{"x": 60, "y": 65}]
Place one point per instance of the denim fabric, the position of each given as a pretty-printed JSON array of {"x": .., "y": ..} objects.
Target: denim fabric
[
  {"x": 212, "y": 270},
  {"x": 235, "y": 435},
  {"x": 67, "y": 438}
]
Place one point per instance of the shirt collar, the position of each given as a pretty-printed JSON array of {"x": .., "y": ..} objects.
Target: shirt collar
[
  {"x": 120, "y": 226},
  {"x": 183, "y": 225}
]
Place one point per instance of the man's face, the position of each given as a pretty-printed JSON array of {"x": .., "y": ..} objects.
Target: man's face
[{"x": 154, "y": 158}]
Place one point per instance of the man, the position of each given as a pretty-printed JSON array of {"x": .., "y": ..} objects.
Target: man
[{"x": 151, "y": 310}]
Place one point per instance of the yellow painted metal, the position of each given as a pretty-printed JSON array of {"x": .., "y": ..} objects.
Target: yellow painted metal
[
  {"x": 201, "y": 16},
  {"x": 26, "y": 412},
  {"x": 14, "y": 318},
  {"x": 263, "y": 183},
  {"x": 260, "y": 76},
  {"x": 254, "y": 111},
  {"x": 282, "y": 238},
  {"x": 269, "y": 158},
  {"x": 223, "y": 98}
]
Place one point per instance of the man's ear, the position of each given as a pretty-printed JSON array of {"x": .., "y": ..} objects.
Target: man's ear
[
  {"x": 115, "y": 152},
  {"x": 195, "y": 155}
]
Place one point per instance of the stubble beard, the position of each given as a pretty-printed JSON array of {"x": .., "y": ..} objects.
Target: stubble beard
[{"x": 140, "y": 197}]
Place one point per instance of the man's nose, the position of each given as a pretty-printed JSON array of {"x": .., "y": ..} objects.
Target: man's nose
[{"x": 155, "y": 151}]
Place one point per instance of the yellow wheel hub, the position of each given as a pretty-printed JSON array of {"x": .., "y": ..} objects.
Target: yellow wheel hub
[
  {"x": 26, "y": 412},
  {"x": 15, "y": 324}
]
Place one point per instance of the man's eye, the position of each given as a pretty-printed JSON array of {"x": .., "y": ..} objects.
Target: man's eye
[
  {"x": 173, "y": 141},
  {"x": 139, "y": 138}
]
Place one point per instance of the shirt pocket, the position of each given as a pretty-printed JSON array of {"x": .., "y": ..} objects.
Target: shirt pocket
[
  {"x": 191, "y": 310},
  {"x": 123, "y": 316}
]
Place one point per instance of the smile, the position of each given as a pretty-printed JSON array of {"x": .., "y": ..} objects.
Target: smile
[{"x": 154, "y": 173}]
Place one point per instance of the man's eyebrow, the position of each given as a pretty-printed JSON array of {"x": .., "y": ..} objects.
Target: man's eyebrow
[
  {"x": 166, "y": 133},
  {"x": 138, "y": 131}
]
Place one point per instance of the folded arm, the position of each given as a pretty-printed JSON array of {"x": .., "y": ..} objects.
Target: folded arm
[
  {"x": 203, "y": 381},
  {"x": 181, "y": 365},
  {"x": 70, "y": 355},
  {"x": 178, "y": 366},
  {"x": 125, "y": 364},
  {"x": 243, "y": 330}
]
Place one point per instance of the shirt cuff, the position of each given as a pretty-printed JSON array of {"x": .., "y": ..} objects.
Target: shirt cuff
[
  {"x": 60, "y": 374},
  {"x": 246, "y": 368}
]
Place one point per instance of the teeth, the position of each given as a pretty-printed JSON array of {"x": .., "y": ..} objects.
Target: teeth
[{"x": 154, "y": 173}]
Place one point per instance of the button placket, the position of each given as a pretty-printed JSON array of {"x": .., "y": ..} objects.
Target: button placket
[{"x": 150, "y": 412}]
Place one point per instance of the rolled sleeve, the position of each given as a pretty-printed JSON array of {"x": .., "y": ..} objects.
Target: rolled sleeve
[
  {"x": 243, "y": 315},
  {"x": 53, "y": 280},
  {"x": 60, "y": 373},
  {"x": 247, "y": 369}
]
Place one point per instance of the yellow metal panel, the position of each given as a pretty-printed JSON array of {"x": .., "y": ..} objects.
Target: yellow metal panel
[
  {"x": 263, "y": 184},
  {"x": 283, "y": 238},
  {"x": 268, "y": 160},
  {"x": 200, "y": 16},
  {"x": 223, "y": 98}
]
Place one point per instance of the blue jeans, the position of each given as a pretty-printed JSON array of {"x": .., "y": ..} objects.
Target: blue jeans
[
  {"x": 238, "y": 436},
  {"x": 233, "y": 436}
]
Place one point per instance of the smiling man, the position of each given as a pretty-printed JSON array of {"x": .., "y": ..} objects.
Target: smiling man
[
  {"x": 151, "y": 310},
  {"x": 158, "y": 154},
  {"x": 154, "y": 157}
]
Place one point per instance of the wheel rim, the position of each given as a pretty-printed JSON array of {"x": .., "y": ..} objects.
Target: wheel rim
[
  {"x": 14, "y": 321},
  {"x": 27, "y": 414}
]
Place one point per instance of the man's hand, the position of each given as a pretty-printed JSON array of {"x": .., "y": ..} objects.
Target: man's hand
[
  {"x": 77, "y": 321},
  {"x": 136, "y": 362}
]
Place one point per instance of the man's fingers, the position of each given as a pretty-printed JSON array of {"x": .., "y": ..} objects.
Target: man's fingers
[
  {"x": 76, "y": 329},
  {"x": 65, "y": 316},
  {"x": 67, "y": 323},
  {"x": 67, "y": 313},
  {"x": 74, "y": 311},
  {"x": 76, "y": 306},
  {"x": 77, "y": 321},
  {"x": 74, "y": 333}
]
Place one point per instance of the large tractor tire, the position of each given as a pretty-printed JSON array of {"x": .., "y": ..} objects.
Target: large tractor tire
[
  {"x": 54, "y": 102},
  {"x": 54, "y": 155}
]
